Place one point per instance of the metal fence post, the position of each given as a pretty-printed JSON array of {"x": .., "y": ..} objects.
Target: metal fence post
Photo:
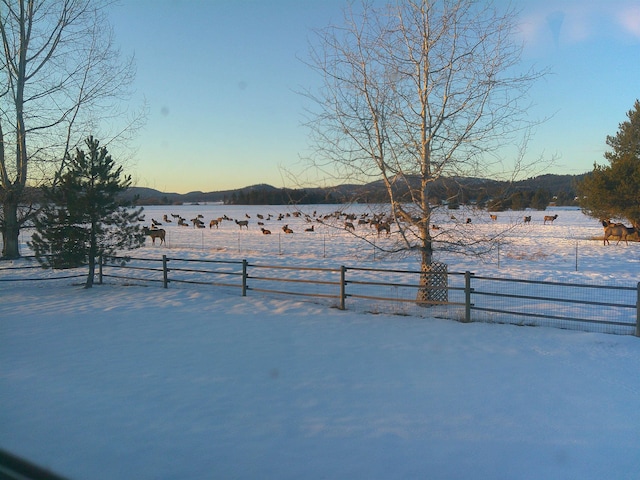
[
  {"x": 343, "y": 271},
  {"x": 638, "y": 312},
  {"x": 165, "y": 272},
  {"x": 244, "y": 278},
  {"x": 467, "y": 296}
]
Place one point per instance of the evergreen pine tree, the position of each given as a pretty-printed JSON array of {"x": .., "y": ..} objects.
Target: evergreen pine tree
[
  {"x": 613, "y": 191},
  {"x": 540, "y": 200},
  {"x": 82, "y": 219}
]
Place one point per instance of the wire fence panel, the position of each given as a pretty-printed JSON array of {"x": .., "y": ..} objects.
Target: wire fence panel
[
  {"x": 397, "y": 292},
  {"x": 599, "y": 308},
  {"x": 38, "y": 273},
  {"x": 321, "y": 284}
]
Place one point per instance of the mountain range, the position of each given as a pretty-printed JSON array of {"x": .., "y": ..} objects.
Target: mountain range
[{"x": 463, "y": 188}]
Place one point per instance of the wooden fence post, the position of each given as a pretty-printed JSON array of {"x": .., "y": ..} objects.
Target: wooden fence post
[
  {"x": 100, "y": 270},
  {"x": 638, "y": 312},
  {"x": 244, "y": 278},
  {"x": 165, "y": 272},
  {"x": 467, "y": 296},
  {"x": 343, "y": 271}
]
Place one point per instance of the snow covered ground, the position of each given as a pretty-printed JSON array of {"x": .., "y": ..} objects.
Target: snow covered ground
[{"x": 139, "y": 382}]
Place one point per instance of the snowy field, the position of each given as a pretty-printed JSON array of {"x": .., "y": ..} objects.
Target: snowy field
[{"x": 139, "y": 382}]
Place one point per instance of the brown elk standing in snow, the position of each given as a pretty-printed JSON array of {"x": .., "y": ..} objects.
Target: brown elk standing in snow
[
  {"x": 243, "y": 223},
  {"x": 155, "y": 233},
  {"x": 616, "y": 230}
]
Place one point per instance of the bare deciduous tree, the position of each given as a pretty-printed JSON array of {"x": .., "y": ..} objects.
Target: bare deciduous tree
[
  {"x": 416, "y": 91},
  {"x": 61, "y": 78}
]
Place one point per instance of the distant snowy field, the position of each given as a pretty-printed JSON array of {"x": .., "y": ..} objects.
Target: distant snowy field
[{"x": 139, "y": 382}]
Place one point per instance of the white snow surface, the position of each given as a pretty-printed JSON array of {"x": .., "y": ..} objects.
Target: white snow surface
[{"x": 141, "y": 382}]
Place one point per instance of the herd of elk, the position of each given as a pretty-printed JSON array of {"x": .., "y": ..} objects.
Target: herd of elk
[{"x": 380, "y": 224}]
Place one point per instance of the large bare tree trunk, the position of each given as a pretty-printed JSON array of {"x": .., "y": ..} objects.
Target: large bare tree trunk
[
  {"x": 433, "y": 279},
  {"x": 11, "y": 228},
  {"x": 93, "y": 248}
]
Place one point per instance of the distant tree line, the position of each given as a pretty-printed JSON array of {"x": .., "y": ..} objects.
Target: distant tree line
[
  {"x": 536, "y": 192},
  {"x": 283, "y": 196},
  {"x": 492, "y": 198}
]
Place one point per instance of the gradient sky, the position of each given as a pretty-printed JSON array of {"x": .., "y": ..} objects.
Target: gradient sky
[{"x": 220, "y": 81}]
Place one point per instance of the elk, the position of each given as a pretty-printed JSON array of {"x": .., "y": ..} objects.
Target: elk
[
  {"x": 265, "y": 231},
  {"x": 616, "y": 230},
  {"x": 310, "y": 229},
  {"x": 550, "y": 218},
  {"x": 155, "y": 233},
  {"x": 383, "y": 226},
  {"x": 527, "y": 219},
  {"x": 493, "y": 217},
  {"x": 214, "y": 222},
  {"x": 243, "y": 223},
  {"x": 286, "y": 229}
]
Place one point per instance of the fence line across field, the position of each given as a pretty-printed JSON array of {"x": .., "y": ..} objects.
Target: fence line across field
[{"x": 463, "y": 296}]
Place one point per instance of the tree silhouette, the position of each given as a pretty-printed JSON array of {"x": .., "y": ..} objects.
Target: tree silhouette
[
  {"x": 613, "y": 191},
  {"x": 82, "y": 219}
]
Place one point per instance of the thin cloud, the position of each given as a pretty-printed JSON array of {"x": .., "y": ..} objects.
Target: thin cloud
[
  {"x": 567, "y": 23},
  {"x": 629, "y": 19}
]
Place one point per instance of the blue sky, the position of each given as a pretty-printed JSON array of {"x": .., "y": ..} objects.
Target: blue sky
[{"x": 221, "y": 79}]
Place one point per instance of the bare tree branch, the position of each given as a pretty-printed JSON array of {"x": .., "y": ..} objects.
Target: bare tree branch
[{"x": 62, "y": 80}]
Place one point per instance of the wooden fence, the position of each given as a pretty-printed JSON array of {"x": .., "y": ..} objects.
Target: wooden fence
[{"x": 462, "y": 296}]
